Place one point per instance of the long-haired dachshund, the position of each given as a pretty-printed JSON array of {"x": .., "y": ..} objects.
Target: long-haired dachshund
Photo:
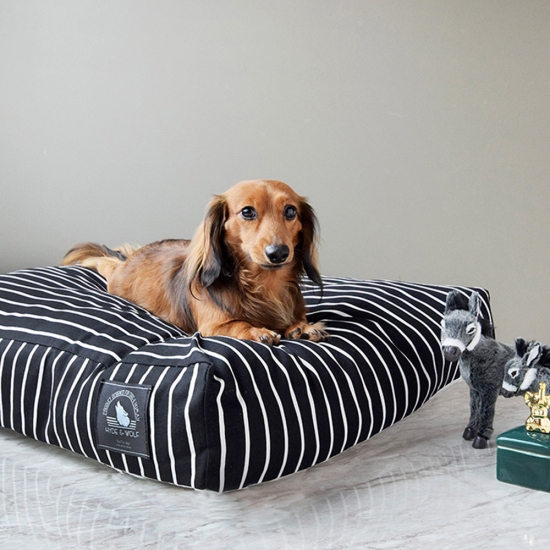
[{"x": 240, "y": 274}]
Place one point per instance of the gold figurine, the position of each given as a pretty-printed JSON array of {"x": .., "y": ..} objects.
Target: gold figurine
[{"x": 539, "y": 403}]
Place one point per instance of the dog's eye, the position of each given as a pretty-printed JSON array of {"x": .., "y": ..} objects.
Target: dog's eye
[
  {"x": 290, "y": 212},
  {"x": 249, "y": 213}
]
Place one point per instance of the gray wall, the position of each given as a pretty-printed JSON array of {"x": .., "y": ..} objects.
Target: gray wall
[{"x": 418, "y": 129}]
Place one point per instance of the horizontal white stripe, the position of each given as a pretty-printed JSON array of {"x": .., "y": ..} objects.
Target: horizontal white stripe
[
  {"x": 75, "y": 311},
  {"x": 55, "y": 321},
  {"x": 93, "y": 298},
  {"x": 60, "y": 337},
  {"x": 164, "y": 356}
]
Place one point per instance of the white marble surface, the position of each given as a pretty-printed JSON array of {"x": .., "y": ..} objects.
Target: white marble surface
[{"x": 416, "y": 485}]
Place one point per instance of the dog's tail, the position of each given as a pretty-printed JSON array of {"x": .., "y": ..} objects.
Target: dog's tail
[{"x": 99, "y": 257}]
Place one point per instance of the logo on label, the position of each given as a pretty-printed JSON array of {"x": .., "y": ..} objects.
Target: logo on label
[{"x": 122, "y": 418}]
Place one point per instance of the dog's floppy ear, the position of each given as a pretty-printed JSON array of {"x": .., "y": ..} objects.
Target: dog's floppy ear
[
  {"x": 307, "y": 247},
  {"x": 207, "y": 253}
]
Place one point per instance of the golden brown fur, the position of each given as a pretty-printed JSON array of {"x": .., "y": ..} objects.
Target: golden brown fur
[{"x": 238, "y": 276}]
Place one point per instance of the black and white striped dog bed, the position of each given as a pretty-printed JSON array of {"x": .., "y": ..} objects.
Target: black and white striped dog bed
[{"x": 95, "y": 374}]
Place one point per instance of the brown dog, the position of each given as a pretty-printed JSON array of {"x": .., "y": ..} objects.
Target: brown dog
[{"x": 240, "y": 274}]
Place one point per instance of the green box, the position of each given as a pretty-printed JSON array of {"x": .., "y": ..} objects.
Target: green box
[{"x": 523, "y": 458}]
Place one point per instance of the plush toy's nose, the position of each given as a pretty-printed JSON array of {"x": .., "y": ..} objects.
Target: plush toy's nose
[
  {"x": 451, "y": 353},
  {"x": 508, "y": 393},
  {"x": 277, "y": 253}
]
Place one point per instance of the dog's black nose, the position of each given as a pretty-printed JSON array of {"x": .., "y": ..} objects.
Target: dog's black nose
[
  {"x": 451, "y": 353},
  {"x": 277, "y": 253}
]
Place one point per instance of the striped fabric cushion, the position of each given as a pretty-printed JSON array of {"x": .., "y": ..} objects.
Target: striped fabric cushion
[{"x": 97, "y": 375}]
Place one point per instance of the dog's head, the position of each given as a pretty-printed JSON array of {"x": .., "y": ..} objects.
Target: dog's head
[{"x": 260, "y": 225}]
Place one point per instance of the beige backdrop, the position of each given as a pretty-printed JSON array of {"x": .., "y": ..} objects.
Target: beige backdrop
[{"x": 419, "y": 131}]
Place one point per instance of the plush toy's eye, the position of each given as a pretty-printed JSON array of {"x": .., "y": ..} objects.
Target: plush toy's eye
[
  {"x": 290, "y": 212},
  {"x": 470, "y": 329},
  {"x": 513, "y": 373},
  {"x": 249, "y": 213}
]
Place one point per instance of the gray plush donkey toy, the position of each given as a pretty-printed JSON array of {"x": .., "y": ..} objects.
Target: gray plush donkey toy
[
  {"x": 527, "y": 369},
  {"x": 467, "y": 338}
]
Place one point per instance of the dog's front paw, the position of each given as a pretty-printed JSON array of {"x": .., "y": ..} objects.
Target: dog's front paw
[
  {"x": 265, "y": 336},
  {"x": 303, "y": 331}
]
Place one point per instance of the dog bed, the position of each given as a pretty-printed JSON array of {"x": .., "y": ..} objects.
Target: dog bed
[{"x": 99, "y": 376}]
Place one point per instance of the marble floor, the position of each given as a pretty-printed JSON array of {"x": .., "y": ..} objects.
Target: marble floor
[{"x": 416, "y": 485}]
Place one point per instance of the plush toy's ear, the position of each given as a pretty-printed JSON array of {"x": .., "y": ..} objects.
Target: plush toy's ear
[
  {"x": 521, "y": 347},
  {"x": 534, "y": 354},
  {"x": 455, "y": 300},
  {"x": 474, "y": 304},
  {"x": 545, "y": 357}
]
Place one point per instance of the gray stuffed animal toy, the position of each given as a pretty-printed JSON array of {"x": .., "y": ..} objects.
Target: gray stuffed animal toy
[
  {"x": 527, "y": 369},
  {"x": 467, "y": 337}
]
